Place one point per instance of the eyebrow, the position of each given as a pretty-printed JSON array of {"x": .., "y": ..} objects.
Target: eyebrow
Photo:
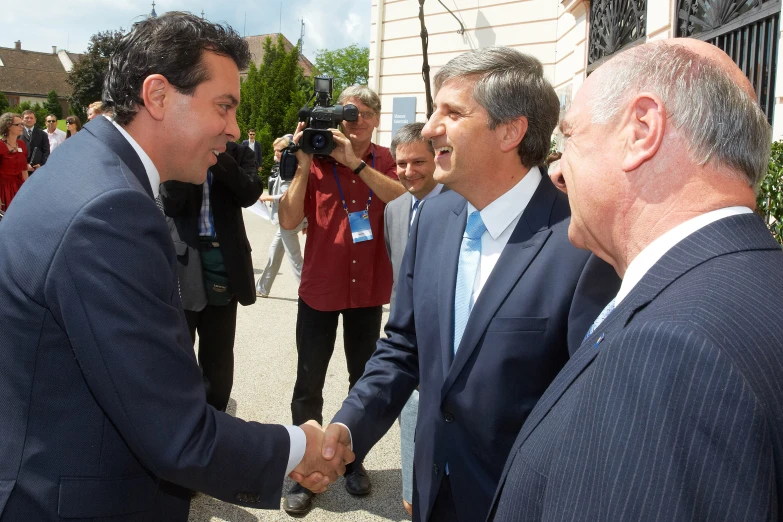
[{"x": 230, "y": 97}]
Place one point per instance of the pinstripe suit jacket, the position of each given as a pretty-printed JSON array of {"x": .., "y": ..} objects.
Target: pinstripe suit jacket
[{"x": 671, "y": 410}]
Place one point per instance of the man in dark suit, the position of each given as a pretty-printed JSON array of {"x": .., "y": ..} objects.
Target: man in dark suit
[
  {"x": 254, "y": 147},
  {"x": 36, "y": 140},
  {"x": 212, "y": 233},
  {"x": 497, "y": 239},
  {"x": 102, "y": 406},
  {"x": 670, "y": 410}
]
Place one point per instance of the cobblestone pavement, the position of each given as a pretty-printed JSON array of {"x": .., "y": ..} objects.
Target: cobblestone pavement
[{"x": 264, "y": 375}]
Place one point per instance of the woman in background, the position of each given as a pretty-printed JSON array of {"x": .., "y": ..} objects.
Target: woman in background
[
  {"x": 13, "y": 158},
  {"x": 72, "y": 125}
]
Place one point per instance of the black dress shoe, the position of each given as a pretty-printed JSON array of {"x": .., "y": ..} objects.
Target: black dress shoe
[
  {"x": 298, "y": 501},
  {"x": 357, "y": 482}
]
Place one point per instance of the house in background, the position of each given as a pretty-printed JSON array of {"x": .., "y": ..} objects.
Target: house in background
[
  {"x": 31, "y": 75},
  {"x": 256, "y": 44}
]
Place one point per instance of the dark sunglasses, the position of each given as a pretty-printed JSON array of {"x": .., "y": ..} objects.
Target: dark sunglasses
[
  {"x": 51, "y": 121},
  {"x": 70, "y": 122}
]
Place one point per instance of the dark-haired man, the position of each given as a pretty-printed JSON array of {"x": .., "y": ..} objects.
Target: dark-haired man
[
  {"x": 55, "y": 135},
  {"x": 254, "y": 146},
  {"x": 103, "y": 408},
  {"x": 36, "y": 140},
  {"x": 491, "y": 297}
]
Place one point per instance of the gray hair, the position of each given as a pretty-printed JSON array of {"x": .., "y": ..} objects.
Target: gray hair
[
  {"x": 719, "y": 118},
  {"x": 407, "y": 135},
  {"x": 509, "y": 84},
  {"x": 5, "y": 122},
  {"x": 363, "y": 93}
]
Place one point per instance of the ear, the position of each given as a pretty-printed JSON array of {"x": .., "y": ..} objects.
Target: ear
[
  {"x": 511, "y": 134},
  {"x": 644, "y": 127},
  {"x": 153, "y": 93}
]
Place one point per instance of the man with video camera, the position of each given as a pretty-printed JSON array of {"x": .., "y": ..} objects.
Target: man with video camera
[{"x": 346, "y": 268}]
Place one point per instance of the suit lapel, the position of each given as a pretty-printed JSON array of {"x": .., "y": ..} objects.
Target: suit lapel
[
  {"x": 448, "y": 278},
  {"x": 529, "y": 236},
  {"x": 105, "y": 131}
]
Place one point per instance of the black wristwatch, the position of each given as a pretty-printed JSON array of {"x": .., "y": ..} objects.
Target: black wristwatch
[{"x": 358, "y": 169}]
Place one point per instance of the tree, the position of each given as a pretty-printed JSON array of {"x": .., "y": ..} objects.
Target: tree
[
  {"x": 39, "y": 110},
  {"x": 769, "y": 202},
  {"x": 87, "y": 74},
  {"x": 349, "y": 66},
  {"x": 53, "y": 106},
  {"x": 271, "y": 97},
  {"x": 4, "y": 105}
]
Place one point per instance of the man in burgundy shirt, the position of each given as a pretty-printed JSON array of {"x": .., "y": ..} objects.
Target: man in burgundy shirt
[{"x": 346, "y": 270}]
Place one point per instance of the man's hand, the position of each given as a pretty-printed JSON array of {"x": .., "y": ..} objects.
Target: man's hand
[
  {"x": 343, "y": 152},
  {"x": 314, "y": 472},
  {"x": 336, "y": 436},
  {"x": 304, "y": 159},
  {"x": 265, "y": 197}
]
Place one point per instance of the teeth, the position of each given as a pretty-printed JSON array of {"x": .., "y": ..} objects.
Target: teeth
[
  {"x": 444, "y": 149},
  {"x": 214, "y": 152}
]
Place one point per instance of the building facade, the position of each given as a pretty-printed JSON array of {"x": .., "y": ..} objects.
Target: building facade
[{"x": 570, "y": 37}]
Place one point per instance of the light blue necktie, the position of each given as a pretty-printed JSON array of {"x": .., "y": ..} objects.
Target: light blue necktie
[
  {"x": 603, "y": 315},
  {"x": 413, "y": 213},
  {"x": 469, "y": 259}
]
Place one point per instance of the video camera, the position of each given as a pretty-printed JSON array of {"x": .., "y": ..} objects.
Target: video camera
[{"x": 317, "y": 139}]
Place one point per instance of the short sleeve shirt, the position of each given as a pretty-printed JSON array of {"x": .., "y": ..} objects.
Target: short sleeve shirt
[{"x": 339, "y": 274}]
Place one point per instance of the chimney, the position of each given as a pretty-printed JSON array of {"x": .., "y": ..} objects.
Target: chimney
[
  {"x": 18, "y": 45},
  {"x": 54, "y": 49}
]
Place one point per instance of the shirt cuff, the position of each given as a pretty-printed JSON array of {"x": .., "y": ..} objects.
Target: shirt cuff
[
  {"x": 298, "y": 446},
  {"x": 350, "y": 437}
]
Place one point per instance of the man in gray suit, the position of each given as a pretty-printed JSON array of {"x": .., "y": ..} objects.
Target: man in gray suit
[
  {"x": 670, "y": 409},
  {"x": 415, "y": 160}
]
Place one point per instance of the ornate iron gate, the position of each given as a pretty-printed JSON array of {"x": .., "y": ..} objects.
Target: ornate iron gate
[
  {"x": 615, "y": 25},
  {"x": 747, "y": 30}
]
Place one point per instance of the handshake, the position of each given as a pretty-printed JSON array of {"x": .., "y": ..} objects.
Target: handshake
[{"x": 326, "y": 454}]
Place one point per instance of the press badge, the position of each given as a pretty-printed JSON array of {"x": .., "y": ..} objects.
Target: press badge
[{"x": 360, "y": 226}]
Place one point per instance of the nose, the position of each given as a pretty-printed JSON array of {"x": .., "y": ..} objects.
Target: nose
[
  {"x": 232, "y": 128},
  {"x": 432, "y": 128}
]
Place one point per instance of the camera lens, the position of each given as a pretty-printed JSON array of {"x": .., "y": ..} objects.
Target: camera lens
[{"x": 318, "y": 141}]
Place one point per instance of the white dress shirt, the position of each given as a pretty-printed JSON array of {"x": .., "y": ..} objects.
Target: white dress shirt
[
  {"x": 501, "y": 218},
  {"x": 432, "y": 193},
  {"x": 297, "y": 436},
  {"x": 55, "y": 139},
  {"x": 645, "y": 260}
]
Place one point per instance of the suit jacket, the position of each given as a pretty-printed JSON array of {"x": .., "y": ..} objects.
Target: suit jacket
[
  {"x": 541, "y": 297},
  {"x": 256, "y": 152},
  {"x": 101, "y": 398},
  {"x": 396, "y": 225},
  {"x": 671, "y": 409},
  {"x": 235, "y": 184},
  {"x": 40, "y": 141}
]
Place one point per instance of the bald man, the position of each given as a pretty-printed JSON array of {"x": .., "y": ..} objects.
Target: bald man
[{"x": 670, "y": 409}]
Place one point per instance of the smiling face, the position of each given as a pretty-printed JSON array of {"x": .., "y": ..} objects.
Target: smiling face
[
  {"x": 204, "y": 121},
  {"x": 360, "y": 131},
  {"x": 459, "y": 131},
  {"x": 415, "y": 168}
]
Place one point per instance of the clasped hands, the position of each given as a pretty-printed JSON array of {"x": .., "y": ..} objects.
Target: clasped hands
[{"x": 326, "y": 454}]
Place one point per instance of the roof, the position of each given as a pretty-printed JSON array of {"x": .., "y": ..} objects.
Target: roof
[
  {"x": 33, "y": 73},
  {"x": 256, "y": 45}
]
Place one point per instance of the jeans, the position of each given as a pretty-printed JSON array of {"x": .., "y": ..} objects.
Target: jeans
[{"x": 284, "y": 240}]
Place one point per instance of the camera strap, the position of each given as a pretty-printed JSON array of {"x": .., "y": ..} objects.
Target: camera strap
[{"x": 340, "y": 187}]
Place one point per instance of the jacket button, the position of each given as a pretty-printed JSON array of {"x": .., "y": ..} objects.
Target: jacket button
[
  {"x": 449, "y": 417},
  {"x": 435, "y": 469}
]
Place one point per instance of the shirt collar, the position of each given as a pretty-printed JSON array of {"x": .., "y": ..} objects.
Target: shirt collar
[
  {"x": 432, "y": 193},
  {"x": 650, "y": 255},
  {"x": 499, "y": 214},
  {"x": 152, "y": 172}
]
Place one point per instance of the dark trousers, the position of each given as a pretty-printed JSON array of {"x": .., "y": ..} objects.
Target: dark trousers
[
  {"x": 444, "y": 509},
  {"x": 316, "y": 332},
  {"x": 216, "y": 326}
]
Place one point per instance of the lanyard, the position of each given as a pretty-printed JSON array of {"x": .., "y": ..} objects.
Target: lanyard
[{"x": 340, "y": 188}]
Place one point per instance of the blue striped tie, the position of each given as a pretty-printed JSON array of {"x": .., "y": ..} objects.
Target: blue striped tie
[
  {"x": 469, "y": 259},
  {"x": 600, "y": 319}
]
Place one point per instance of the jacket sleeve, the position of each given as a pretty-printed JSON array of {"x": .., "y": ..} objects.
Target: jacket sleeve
[
  {"x": 128, "y": 335},
  {"x": 237, "y": 169},
  {"x": 44, "y": 149}
]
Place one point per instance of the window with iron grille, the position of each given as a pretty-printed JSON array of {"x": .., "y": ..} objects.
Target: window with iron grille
[{"x": 615, "y": 25}]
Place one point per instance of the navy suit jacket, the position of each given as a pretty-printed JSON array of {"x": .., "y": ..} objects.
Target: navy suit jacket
[
  {"x": 671, "y": 410},
  {"x": 101, "y": 398},
  {"x": 541, "y": 297},
  {"x": 257, "y": 152}
]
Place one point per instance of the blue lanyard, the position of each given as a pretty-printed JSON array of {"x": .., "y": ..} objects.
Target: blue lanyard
[{"x": 340, "y": 188}]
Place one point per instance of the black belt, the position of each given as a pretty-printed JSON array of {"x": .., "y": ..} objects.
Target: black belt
[{"x": 207, "y": 243}]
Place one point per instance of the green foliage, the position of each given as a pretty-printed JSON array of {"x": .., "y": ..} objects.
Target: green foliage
[
  {"x": 52, "y": 104},
  {"x": 39, "y": 110},
  {"x": 271, "y": 97},
  {"x": 349, "y": 66},
  {"x": 4, "y": 105},
  {"x": 769, "y": 202},
  {"x": 87, "y": 74}
]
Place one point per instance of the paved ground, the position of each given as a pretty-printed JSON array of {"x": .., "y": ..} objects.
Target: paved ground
[{"x": 264, "y": 375}]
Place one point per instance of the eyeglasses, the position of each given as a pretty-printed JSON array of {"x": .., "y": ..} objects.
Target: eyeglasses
[
  {"x": 17, "y": 125},
  {"x": 70, "y": 122},
  {"x": 367, "y": 115},
  {"x": 51, "y": 121}
]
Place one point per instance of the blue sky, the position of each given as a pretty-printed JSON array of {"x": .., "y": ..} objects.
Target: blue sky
[{"x": 329, "y": 24}]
